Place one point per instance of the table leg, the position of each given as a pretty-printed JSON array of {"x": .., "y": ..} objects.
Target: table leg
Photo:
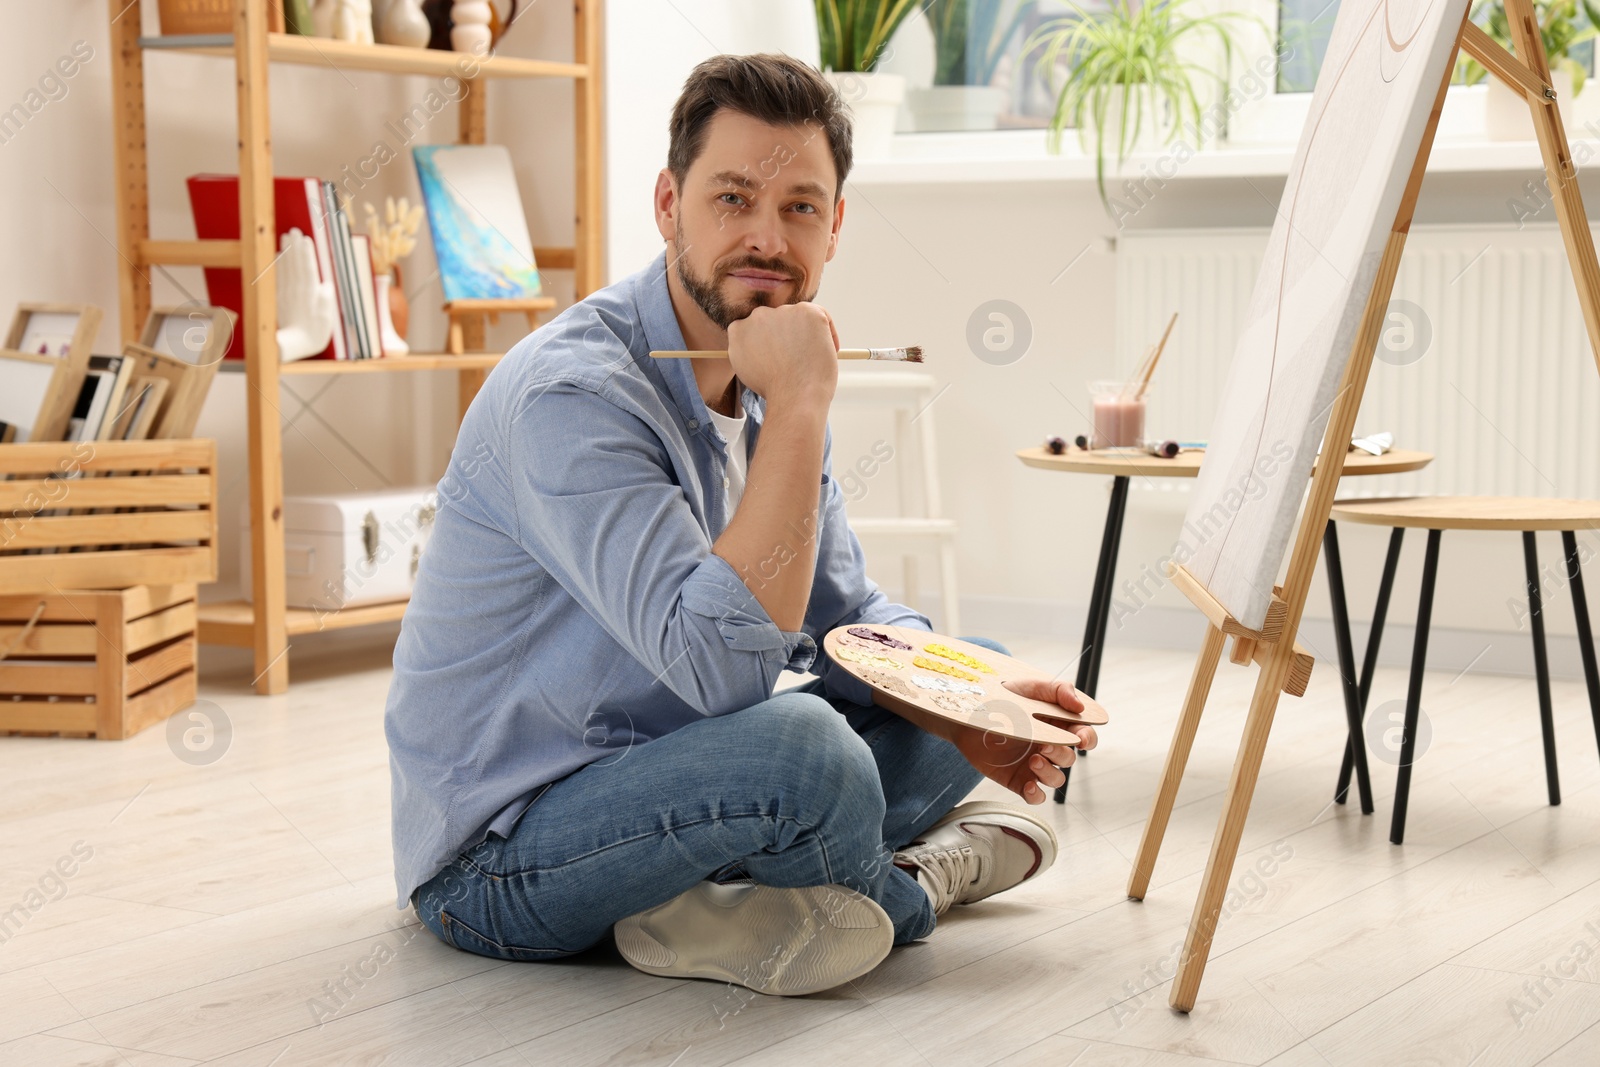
[
  {"x": 1541, "y": 665},
  {"x": 1419, "y": 660},
  {"x": 1369, "y": 662},
  {"x": 1580, "y": 607},
  {"x": 1094, "y": 628},
  {"x": 1347, "y": 667}
]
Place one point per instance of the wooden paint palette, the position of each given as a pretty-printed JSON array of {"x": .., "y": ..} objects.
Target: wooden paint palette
[{"x": 934, "y": 690}]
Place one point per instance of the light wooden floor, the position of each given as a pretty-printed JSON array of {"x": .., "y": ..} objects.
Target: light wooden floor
[{"x": 239, "y": 913}]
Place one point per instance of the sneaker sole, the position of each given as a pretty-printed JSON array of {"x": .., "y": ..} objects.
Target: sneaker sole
[
  {"x": 999, "y": 807},
  {"x": 782, "y": 942}
]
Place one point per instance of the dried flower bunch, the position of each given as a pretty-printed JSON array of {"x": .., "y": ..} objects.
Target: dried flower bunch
[{"x": 395, "y": 235}]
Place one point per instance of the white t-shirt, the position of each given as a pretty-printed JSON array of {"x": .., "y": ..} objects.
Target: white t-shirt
[{"x": 738, "y": 464}]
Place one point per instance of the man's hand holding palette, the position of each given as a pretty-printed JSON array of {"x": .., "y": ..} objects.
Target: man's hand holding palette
[{"x": 1000, "y": 712}]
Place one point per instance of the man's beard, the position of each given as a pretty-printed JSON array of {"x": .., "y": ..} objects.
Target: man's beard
[{"x": 708, "y": 293}]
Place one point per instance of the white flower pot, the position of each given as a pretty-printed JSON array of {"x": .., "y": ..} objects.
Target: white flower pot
[
  {"x": 393, "y": 343},
  {"x": 1506, "y": 116},
  {"x": 1156, "y": 126},
  {"x": 874, "y": 100},
  {"x": 955, "y": 107}
]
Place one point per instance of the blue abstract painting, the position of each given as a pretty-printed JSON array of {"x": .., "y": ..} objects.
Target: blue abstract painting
[{"x": 480, "y": 234}]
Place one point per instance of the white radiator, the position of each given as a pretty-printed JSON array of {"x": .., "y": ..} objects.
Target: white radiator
[{"x": 1506, "y": 395}]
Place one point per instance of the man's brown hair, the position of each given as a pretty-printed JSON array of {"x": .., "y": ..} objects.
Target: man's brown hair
[{"x": 775, "y": 89}]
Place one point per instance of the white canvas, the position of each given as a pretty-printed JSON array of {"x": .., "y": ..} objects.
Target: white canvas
[{"x": 1383, "y": 68}]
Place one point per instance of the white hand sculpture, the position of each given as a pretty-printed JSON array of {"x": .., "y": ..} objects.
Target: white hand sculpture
[{"x": 306, "y": 307}]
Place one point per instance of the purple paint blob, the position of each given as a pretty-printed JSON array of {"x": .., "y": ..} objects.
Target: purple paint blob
[{"x": 873, "y": 635}]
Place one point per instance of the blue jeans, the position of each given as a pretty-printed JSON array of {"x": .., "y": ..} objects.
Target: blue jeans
[{"x": 798, "y": 790}]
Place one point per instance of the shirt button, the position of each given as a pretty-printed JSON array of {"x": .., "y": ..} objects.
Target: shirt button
[
  {"x": 724, "y": 483},
  {"x": 694, "y": 424}
]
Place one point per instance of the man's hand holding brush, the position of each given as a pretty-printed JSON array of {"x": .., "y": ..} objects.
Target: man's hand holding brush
[{"x": 789, "y": 355}]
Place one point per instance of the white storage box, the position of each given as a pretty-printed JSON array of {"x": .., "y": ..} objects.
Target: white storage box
[{"x": 346, "y": 549}]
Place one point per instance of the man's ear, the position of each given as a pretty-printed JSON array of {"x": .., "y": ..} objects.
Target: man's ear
[
  {"x": 833, "y": 235},
  {"x": 665, "y": 203}
]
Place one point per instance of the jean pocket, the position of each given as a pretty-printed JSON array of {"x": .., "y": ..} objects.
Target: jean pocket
[{"x": 464, "y": 937}]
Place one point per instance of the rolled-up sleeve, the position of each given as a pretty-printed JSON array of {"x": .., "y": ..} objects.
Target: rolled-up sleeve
[{"x": 598, "y": 507}]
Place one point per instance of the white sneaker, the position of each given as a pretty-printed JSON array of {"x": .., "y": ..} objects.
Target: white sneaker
[
  {"x": 784, "y": 942},
  {"x": 978, "y": 850}
]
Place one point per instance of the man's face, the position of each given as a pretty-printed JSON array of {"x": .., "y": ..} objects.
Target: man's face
[{"x": 755, "y": 218}]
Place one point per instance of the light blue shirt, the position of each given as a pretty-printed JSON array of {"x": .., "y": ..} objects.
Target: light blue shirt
[{"x": 568, "y": 605}]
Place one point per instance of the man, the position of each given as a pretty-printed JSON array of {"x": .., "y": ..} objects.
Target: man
[{"x": 628, "y": 551}]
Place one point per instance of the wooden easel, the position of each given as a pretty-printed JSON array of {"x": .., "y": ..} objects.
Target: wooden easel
[
  {"x": 1273, "y": 645},
  {"x": 467, "y": 327}
]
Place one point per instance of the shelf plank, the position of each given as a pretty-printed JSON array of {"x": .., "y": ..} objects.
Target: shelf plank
[
  {"x": 423, "y": 361},
  {"x": 230, "y": 622},
  {"x": 379, "y": 58},
  {"x": 190, "y": 253}
]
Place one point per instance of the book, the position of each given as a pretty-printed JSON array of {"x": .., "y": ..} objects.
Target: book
[
  {"x": 297, "y": 204},
  {"x": 369, "y": 292},
  {"x": 343, "y": 272}
]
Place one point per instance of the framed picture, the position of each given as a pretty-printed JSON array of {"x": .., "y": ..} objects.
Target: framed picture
[
  {"x": 42, "y": 369},
  {"x": 195, "y": 333},
  {"x": 187, "y": 386}
]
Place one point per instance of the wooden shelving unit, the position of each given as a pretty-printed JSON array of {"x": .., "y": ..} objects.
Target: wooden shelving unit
[{"x": 266, "y": 623}]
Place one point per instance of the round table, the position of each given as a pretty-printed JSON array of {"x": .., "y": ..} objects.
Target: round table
[
  {"x": 1123, "y": 465},
  {"x": 1525, "y": 515}
]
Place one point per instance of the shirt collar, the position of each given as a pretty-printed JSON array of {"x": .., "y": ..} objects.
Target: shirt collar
[{"x": 662, "y": 333}]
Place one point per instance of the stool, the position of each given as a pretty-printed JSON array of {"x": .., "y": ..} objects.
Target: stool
[
  {"x": 910, "y": 395},
  {"x": 1437, "y": 514}
]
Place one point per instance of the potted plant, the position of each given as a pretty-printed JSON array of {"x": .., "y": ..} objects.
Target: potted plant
[
  {"x": 1131, "y": 75},
  {"x": 969, "y": 39},
  {"x": 1505, "y": 113},
  {"x": 853, "y": 35}
]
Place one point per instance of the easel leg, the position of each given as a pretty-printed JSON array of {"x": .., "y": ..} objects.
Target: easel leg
[
  {"x": 1419, "y": 661},
  {"x": 1230, "y": 827},
  {"x": 1094, "y": 628},
  {"x": 1155, "y": 828},
  {"x": 1355, "y": 749},
  {"x": 1580, "y": 607},
  {"x": 1369, "y": 663},
  {"x": 1541, "y": 665}
]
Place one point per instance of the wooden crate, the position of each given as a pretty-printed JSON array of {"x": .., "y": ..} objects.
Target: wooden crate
[
  {"x": 100, "y": 663},
  {"x": 107, "y": 514}
]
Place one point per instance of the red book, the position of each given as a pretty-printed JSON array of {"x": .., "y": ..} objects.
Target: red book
[{"x": 297, "y": 203}]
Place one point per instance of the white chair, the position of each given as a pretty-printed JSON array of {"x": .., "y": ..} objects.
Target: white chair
[{"x": 909, "y": 395}]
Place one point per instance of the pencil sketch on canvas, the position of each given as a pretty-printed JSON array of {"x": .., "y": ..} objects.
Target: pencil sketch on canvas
[{"x": 1385, "y": 62}]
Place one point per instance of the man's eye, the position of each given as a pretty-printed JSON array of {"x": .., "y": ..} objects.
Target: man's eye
[
  {"x": 809, "y": 208},
  {"x": 732, "y": 199}
]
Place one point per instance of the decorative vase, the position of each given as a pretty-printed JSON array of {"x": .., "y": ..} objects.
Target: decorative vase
[
  {"x": 403, "y": 23},
  {"x": 470, "y": 32},
  {"x": 874, "y": 99},
  {"x": 399, "y": 306},
  {"x": 393, "y": 343}
]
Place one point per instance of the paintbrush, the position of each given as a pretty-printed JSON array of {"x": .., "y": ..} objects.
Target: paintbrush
[
  {"x": 911, "y": 354},
  {"x": 1155, "y": 357}
]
